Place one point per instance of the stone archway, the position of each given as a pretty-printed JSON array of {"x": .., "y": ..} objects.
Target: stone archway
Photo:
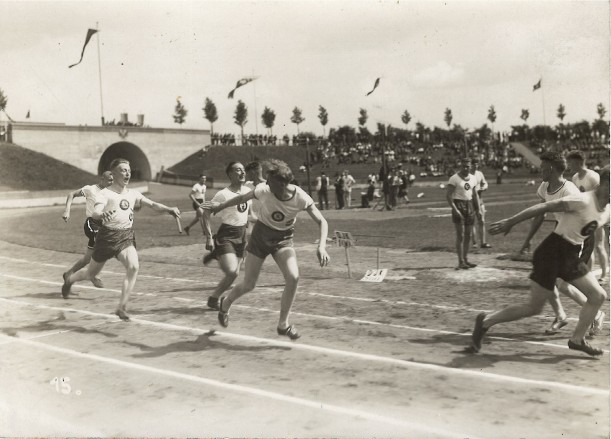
[{"x": 141, "y": 169}]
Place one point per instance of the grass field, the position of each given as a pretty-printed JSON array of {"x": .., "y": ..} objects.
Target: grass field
[{"x": 375, "y": 359}]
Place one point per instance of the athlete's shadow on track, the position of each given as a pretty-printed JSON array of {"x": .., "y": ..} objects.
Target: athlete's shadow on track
[
  {"x": 180, "y": 290},
  {"x": 55, "y": 325},
  {"x": 197, "y": 310},
  {"x": 58, "y": 296},
  {"x": 203, "y": 342}
]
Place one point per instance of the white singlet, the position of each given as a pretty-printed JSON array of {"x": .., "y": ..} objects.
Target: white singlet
[
  {"x": 582, "y": 218},
  {"x": 590, "y": 180},
  {"x": 199, "y": 191},
  {"x": 234, "y": 215},
  {"x": 567, "y": 188},
  {"x": 277, "y": 214},
  {"x": 255, "y": 205},
  {"x": 463, "y": 188},
  {"x": 122, "y": 204},
  {"x": 90, "y": 193}
]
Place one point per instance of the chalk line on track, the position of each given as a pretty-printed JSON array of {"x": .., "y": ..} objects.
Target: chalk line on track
[
  {"x": 338, "y": 352},
  {"x": 318, "y": 316},
  {"x": 250, "y": 390}
]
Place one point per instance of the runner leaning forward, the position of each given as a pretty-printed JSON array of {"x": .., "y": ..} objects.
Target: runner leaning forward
[{"x": 115, "y": 207}]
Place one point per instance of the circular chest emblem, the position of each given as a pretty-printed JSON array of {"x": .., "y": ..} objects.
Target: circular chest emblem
[
  {"x": 277, "y": 216},
  {"x": 467, "y": 186},
  {"x": 589, "y": 228},
  {"x": 242, "y": 207},
  {"x": 582, "y": 189},
  {"x": 124, "y": 204}
]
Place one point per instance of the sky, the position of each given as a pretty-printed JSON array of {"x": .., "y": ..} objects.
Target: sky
[{"x": 462, "y": 55}]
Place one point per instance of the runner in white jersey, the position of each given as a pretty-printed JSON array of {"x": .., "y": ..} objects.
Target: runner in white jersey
[
  {"x": 281, "y": 201},
  {"x": 91, "y": 226},
  {"x": 479, "y": 228},
  {"x": 114, "y": 207},
  {"x": 558, "y": 256},
  {"x": 461, "y": 194},
  {"x": 197, "y": 196},
  {"x": 553, "y": 187},
  {"x": 227, "y": 246},
  {"x": 587, "y": 180}
]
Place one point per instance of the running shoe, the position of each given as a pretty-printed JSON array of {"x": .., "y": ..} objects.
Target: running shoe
[
  {"x": 97, "y": 282},
  {"x": 470, "y": 265},
  {"x": 584, "y": 346},
  {"x": 486, "y": 245},
  {"x": 462, "y": 266},
  {"x": 557, "y": 325},
  {"x": 122, "y": 315},
  {"x": 478, "y": 332},
  {"x": 213, "y": 303},
  {"x": 66, "y": 286},
  {"x": 290, "y": 332},
  {"x": 223, "y": 315},
  {"x": 597, "y": 324}
]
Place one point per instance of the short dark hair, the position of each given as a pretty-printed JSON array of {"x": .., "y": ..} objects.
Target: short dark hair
[
  {"x": 229, "y": 166},
  {"x": 576, "y": 155},
  {"x": 202, "y": 175},
  {"x": 116, "y": 162},
  {"x": 556, "y": 159},
  {"x": 253, "y": 166}
]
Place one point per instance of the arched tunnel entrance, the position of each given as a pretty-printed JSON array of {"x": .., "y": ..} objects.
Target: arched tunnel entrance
[{"x": 141, "y": 169}]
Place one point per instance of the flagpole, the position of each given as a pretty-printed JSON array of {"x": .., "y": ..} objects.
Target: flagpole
[
  {"x": 543, "y": 104},
  {"x": 100, "y": 74},
  {"x": 254, "y": 88}
]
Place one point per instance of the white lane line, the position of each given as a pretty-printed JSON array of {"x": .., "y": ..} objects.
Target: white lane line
[
  {"x": 268, "y": 290},
  {"x": 342, "y": 353},
  {"x": 318, "y": 405},
  {"x": 50, "y": 334}
]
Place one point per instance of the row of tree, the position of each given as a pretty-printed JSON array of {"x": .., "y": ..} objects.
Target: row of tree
[{"x": 268, "y": 117}]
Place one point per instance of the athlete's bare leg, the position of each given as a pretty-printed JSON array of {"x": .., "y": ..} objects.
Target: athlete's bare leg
[
  {"x": 534, "y": 306},
  {"x": 129, "y": 258},
  {"x": 230, "y": 264},
  {"x": 596, "y": 296},
  {"x": 85, "y": 259},
  {"x": 460, "y": 232},
  {"x": 287, "y": 262},
  {"x": 252, "y": 268}
]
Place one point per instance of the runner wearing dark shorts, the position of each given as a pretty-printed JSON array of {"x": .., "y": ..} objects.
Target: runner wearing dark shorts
[
  {"x": 558, "y": 256},
  {"x": 227, "y": 246}
]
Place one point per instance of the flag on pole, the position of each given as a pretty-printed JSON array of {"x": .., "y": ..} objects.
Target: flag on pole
[
  {"x": 537, "y": 86},
  {"x": 239, "y": 84},
  {"x": 27, "y": 116},
  {"x": 374, "y": 86},
  {"x": 90, "y": 33}
]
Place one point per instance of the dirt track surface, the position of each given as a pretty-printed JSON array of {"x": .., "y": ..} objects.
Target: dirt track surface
[{"x": 375, "y": 359}]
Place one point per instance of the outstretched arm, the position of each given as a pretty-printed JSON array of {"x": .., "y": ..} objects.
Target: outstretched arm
[
  {"x": 160, "y": 207},
  {"x": 321, "y": 251},
  {"x": 217, "y": 207},
  {"x": 505, "y": 225},
  {"x": 71, "y": 196}
]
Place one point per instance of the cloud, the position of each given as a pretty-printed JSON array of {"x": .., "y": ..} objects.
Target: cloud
[{"x": 441, "y": 74}]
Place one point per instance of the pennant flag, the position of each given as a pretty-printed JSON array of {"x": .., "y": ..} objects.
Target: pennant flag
[
  {"x": 239, "y": 84},
  {"x": 537, "y": 86},
  {"x": 90, "y": 33},
  {"x": 27, "y": 116},
  {"x": 374, "y": 86}
]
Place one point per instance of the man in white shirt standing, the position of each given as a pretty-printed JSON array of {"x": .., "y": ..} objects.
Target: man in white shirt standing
[
  {"x": 588, "y": 180},
  {"x": 91, "y": 226},
  {"x": 479, "y": 228},
  {"x": 198, "y": 196},
  {"x": 349, "y": 181},
  {"x": 461, "y": 194}
]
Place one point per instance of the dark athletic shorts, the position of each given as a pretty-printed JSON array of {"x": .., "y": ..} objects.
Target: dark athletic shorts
[
  {"x": 196, "y": 205},
  {"x": 556, "y": 258},
  {"x": 467, "y": 210},
  {"x": 266, "y": 241},
  {"x": 91, "y": 228},
  {"x": 230, "y": 239},
  {"x": 109, "y": 243}
]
